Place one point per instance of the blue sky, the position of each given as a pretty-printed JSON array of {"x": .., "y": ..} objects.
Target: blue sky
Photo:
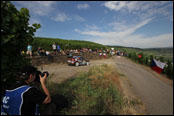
[{"x": 142, "y": 24}]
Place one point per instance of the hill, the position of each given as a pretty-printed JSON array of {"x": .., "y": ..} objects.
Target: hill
[{"x": 46, "y": 43}]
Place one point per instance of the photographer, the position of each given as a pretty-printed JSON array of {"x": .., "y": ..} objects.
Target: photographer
[{"x": 24, "y": 99}]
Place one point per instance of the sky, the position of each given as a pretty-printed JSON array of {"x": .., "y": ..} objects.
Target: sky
[{"x": 141, "y": 24}]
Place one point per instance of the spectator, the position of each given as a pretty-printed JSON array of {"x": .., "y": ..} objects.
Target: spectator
[
  {"x": 39, "y": 51},
  {"x": 43, "y": 53},
  {"x": 58, "y": 48},
  {"x": 104, "y": 54},
  {"x": 47, "y": 53},
  {"x": 29, "y": 50},
  {"x": 54, "y": 48},
  {"x": 100, "y": 54}
]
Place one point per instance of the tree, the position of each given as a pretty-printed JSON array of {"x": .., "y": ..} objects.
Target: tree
[{"x": 15, "y": 35}]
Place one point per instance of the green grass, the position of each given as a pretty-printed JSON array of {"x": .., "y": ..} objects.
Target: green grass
[{"x": 91, "y": 93}]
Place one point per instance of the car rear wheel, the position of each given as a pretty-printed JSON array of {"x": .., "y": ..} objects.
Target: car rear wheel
[{"x": 76, "y": 64}]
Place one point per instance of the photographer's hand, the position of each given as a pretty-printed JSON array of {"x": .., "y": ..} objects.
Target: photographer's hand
[{"x": 42, "y": 80}]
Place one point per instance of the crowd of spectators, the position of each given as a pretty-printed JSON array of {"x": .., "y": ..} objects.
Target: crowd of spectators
[{"x": 56, "y": 50}]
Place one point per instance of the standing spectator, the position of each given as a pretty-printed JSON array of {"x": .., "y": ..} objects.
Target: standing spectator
[
  {"x": 29, "y": 50},
  {"x": 58, "y": 48},
  {"x": 39, "y": 51},
  {"x": 54, "y": 48}
]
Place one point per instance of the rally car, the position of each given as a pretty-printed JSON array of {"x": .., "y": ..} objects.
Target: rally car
[{"x": 77, "y": 61}]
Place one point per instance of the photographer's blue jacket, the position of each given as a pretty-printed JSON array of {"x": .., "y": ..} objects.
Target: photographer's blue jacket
[{"x": 12, "y": 101}]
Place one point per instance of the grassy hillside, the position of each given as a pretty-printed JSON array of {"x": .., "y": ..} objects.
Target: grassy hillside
[{"x": 46, "y": 43}]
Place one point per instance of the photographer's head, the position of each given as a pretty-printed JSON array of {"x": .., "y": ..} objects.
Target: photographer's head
[{"x": 28, "y": 74}]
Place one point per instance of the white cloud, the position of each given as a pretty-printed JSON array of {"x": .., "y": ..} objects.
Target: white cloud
[
  {"x": 82, "y": 6},
  {"x": 143, "y": 9},
  {"x": 79, "y": 18},
  {"x": 41, "y": 8},
  {"x": 125, "y": 37},
  {"x": 91, "y": 27},
  {"x": 61, "y": 17},
  {"x": 118, "y": 26},
  {"x": 133, "y": 6},
  {"x": 123, "y": 33},
  {"x": 115, "y": 5}
]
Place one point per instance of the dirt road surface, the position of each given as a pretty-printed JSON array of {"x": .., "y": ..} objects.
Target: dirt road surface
[{"x": 155, "y": 91}]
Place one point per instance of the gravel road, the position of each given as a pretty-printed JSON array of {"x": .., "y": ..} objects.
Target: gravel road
[
  {"x": 156, "y": 94},
  {"x": 154, "y": 91}
]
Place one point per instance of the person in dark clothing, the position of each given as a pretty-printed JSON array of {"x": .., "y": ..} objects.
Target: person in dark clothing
[{"x": 24, "y": 99}]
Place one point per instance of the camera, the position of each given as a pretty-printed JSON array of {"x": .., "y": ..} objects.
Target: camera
[{"x": 42, "y": 75}]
